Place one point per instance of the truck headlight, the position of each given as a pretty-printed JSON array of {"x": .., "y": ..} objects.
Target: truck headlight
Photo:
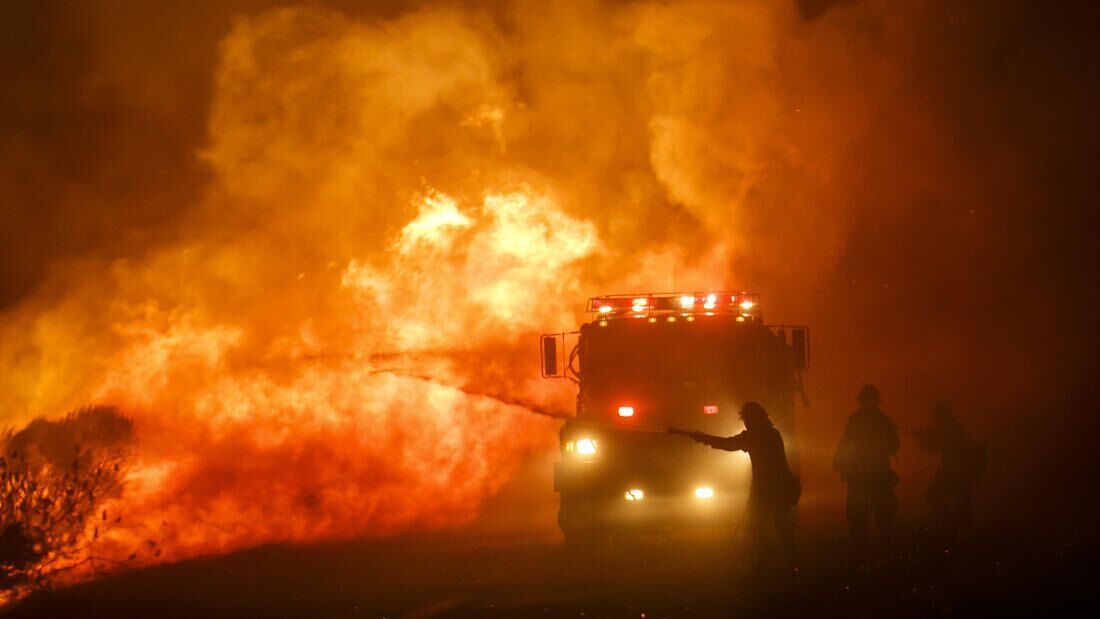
[{"x": 585, "y": 447}]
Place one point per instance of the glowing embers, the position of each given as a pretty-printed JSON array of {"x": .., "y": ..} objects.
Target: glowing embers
[
  {"x": 704, "y": 493},
  {"x": 634, "y": 494},
  {"x": 710, "y": 409},
  {"x": 626, "y": 411}
]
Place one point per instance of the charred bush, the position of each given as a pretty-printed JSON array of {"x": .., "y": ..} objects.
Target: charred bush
[{"x": 56, "y": 477}]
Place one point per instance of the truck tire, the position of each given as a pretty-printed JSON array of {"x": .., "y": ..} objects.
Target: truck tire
[{"x": 582, "y": 533}]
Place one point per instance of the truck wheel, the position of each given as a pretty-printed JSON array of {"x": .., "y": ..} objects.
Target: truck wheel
[{"x": 582, "y": 534}]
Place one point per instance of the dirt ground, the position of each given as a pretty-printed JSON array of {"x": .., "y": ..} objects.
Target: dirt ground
[{"x": 453, "y": 576}]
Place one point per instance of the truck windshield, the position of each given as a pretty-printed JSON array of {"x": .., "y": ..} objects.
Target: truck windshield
[
  {"x": 658, "y": 355},
  {"x": 670, "y": 373}
]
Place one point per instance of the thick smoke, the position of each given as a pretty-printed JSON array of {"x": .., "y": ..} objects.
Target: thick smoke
[{"x": 369, "y": 199}]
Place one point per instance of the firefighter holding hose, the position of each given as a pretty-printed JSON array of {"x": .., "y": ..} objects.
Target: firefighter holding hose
[{"x": 775, "y": 490}]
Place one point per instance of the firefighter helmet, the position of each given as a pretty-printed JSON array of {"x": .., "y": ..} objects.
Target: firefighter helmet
[{"x": 869, "y": 395}]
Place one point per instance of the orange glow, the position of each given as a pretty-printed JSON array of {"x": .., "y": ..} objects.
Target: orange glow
[
  {"x": 626, "y": 411},
  {"x": 704, "y": 492},
  {"x": 710, "y": 409}
]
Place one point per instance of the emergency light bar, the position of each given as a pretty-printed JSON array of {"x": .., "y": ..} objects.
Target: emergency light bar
[{"x": 744, "y": 305}]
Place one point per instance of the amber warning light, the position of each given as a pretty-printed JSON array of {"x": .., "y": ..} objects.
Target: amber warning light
[{"x": 744, "y": 305}]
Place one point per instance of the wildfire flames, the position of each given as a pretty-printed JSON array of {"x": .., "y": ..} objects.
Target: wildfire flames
[
  {"x": 304, "y": 444},
  {"x": 418, "y": 196}
]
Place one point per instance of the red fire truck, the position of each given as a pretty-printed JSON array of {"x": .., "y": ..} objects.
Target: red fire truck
[{"x": 646, "y": 362}]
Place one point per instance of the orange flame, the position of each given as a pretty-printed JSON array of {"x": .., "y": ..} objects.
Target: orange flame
[{"x": 286, "y": 448}]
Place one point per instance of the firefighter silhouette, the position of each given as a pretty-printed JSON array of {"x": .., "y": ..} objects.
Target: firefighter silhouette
[
  {"x": 961, "y": 464},
  {"x": 775, "y": 490},
  {"x": 863, "y": 461}
]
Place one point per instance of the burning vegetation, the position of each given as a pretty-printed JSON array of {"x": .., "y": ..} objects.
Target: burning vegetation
[{"x": 57, "y": 479}]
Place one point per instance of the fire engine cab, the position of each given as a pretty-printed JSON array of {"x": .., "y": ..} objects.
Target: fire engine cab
[{"x": 646, "y": 362}]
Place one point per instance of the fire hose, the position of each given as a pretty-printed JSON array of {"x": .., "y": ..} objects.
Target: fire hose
[{"x": 537, "y": 409}]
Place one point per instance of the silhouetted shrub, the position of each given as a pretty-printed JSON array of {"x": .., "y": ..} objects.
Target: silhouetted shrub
[{"x": 55, "y": 477}]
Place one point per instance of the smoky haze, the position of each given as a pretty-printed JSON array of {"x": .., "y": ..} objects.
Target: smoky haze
[{"x": 252, "y": 228}]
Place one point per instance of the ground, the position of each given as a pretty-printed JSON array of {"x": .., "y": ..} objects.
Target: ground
[{"x": 448, "y": 575}]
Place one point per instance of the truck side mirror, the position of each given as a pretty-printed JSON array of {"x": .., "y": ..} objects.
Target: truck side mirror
[
  {"x": 800, "y": 347},
  {"x": 550, "y": 366}
]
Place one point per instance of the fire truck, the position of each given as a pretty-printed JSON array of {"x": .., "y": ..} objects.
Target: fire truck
[{"x": 644, "y": 363}]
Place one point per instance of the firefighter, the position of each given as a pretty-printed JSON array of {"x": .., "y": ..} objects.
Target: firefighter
[
  {"x": 863, "y": 461},
  {"x": 961, "y": 464},
  {"x": 775, "y": 490}
]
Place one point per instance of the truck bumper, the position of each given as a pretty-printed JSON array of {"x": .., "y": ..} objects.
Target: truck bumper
[{"x": 653, "y": 512}]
